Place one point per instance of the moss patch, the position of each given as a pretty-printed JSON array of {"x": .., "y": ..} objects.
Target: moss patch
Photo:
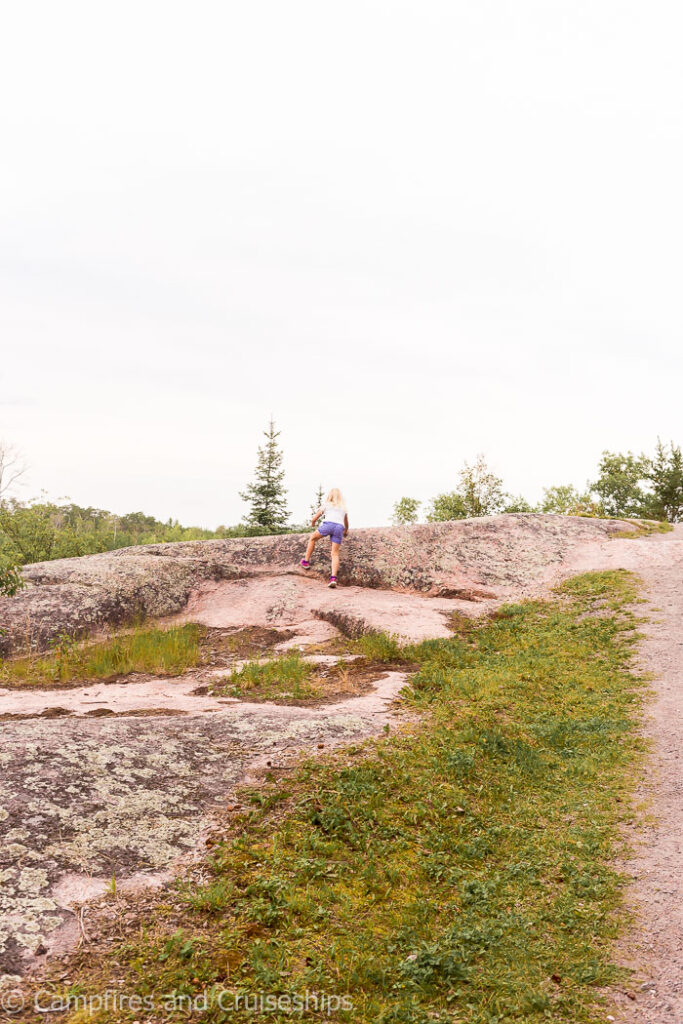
[
  {"x": 641, "y": 528},
  {"x": 291, "y": 679}
]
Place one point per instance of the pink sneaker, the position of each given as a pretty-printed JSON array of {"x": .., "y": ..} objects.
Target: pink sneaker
[
  {"x": 333, "y": 582},
  {"x": 304, "y": 564}
]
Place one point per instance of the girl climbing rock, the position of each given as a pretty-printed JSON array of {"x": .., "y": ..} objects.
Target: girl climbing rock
[{"x": 335, "y": 525}]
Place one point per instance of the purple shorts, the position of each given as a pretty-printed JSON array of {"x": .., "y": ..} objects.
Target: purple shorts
[{"x": 335, "y": 531}]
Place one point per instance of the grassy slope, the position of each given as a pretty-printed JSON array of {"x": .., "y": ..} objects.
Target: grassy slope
[
  {"x": 459, "y": 871},
  {"x": 71, "y": 663}
]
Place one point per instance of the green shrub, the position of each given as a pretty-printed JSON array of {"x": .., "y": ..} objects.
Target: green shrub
[
  {"x": 377, "y": 646},
  {"x": 286, "y": 675},
  {"x": 11, "y": 581}
]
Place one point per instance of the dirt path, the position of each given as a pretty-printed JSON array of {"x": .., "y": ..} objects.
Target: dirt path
[
  {"x": 654, "y": 948},
  {"x": 657, "y": 870}
]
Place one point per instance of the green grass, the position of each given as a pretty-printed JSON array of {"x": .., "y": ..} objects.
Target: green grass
[
  {"x": 642, "y": 528},
  {"x": 284, "y": 676},
  {"x": 380, "y": 647},
  {"x": 457, "y": 871},
  {"x": 156, "y": 651}
]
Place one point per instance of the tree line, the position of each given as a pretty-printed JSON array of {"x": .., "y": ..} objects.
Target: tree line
[
  {"x": 627, "y": 486},
  {"x": 41, "y": 530}
]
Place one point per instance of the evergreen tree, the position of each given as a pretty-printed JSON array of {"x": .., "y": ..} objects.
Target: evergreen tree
[
  {"x": 318, "y": 501},
  {"x": 267, "y": 495},
  {"x": 665, "y": 474}
]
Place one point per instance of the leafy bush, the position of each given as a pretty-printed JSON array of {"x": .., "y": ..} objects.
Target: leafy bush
[
  {"x": 11, "y": 580},
  {"x": 479, "y": 493},
  {"x": 405, "y": 511},
  {"x": 620, "y": 485},
  {"x": 567, "y": 500}
]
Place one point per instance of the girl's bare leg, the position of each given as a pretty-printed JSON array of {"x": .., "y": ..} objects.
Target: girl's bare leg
[
  {"x": 312, "y": 541},
  {"x": 335, "y": 558}
]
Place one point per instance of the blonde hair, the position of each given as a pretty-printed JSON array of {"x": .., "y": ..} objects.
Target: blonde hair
[{"x": 336, "y": 499}]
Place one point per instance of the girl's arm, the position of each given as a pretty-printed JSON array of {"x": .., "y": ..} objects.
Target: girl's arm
[
  {"x": 317, "y": 516},
  {"x": 346, "y": 524}
]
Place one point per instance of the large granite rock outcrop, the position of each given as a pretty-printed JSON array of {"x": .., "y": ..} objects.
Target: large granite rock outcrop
[{"x": 471, "y": 558}]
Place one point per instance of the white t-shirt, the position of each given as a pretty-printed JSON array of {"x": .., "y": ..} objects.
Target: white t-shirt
[{"x": 333, "y": 515}]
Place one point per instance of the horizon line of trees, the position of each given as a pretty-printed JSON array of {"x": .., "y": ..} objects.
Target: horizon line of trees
[
  {"x": 628, "y": 486},
  {"x": 40, "y": 530}
]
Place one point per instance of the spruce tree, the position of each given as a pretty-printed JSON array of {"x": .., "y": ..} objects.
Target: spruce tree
[
  {"x": 267, "y": 495},
  {"x": 318, "y": 501},
  {"x": 665, "y": 473}
]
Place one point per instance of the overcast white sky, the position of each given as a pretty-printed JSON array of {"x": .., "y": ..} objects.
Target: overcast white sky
[{"x": 411, "y": 231}]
